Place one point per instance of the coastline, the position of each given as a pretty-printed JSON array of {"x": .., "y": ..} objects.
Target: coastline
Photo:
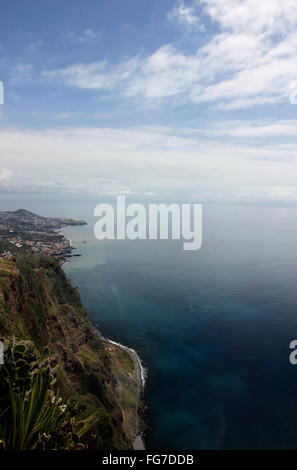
[
  {"x": 140, "y": 371},
  {"x": 110, "y": 371},
  {"x": 138, "y": 443}
]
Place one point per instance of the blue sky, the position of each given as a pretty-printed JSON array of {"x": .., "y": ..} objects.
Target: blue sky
[{"x": 149, "y": 98}]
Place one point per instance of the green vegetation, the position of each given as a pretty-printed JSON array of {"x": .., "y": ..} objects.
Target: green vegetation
[
  {"x": 33, "y": 415},
  {"x": 39, "y": 307}
]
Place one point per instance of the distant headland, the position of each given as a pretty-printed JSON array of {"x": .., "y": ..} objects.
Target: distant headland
[{"x": 22, "y": 230}]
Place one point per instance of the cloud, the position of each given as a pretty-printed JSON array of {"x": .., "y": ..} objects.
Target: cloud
[
  {"x": 93, "y": 76},
  {"x": 21, "y": 73},
  {"x": 68, "y": 115},
  {"x": 257, "y": 17},
  {"x": 246, "y": 59},
  {"x": 87, "y": 36},
  {"x": 139, "y": 161},
  {"x": 261, "y": 129},
  {"x": 5, "y": 177},
  {"x": 186, "y": 15},
  {"x": 249, "y": 61},
  {"x": 33, "y": 46}
]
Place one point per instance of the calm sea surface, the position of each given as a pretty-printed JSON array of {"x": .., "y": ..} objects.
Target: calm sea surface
[{"x": 212, "y": 327}]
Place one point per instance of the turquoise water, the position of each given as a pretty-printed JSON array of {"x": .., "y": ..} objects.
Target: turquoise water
[{"x": 212, "y": 327}]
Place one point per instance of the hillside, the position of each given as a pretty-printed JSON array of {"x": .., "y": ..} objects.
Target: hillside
[
  {"x": 23, "y": 219},
  {"x": 22, "y": 230},
  {"x": 38, "y": 304}
]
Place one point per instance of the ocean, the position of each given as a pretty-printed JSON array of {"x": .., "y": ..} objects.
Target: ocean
[{"x": 212, "y": 326}]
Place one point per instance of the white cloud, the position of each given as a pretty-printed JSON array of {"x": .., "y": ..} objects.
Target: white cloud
[
  {"x": 249, "y": 61},
  {"x": 5, "y": 177},
  {"x": 87, "y": 36},
  {"x": 62, "y": 116},
  {"x": 266, "y": 16},
  {"x": 261, "y": 129},
  {"x": 96, "y": 76},
  {"x": 186, "y": 15},
  {"x": 144, "y": 161},
  {"x": 21, "y": 73}
]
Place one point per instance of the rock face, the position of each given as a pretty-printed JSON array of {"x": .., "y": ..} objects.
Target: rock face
[{"x": 38, "y": 303}]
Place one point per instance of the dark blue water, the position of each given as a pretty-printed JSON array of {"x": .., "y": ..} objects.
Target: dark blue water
[{"x": 213, "y": 327}]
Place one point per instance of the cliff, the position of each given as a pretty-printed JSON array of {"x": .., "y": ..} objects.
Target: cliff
[{"x": 38, "y": 304}]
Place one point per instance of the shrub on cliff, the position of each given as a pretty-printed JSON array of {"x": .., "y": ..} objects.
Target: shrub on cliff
[{"x": 33, "y": 415}]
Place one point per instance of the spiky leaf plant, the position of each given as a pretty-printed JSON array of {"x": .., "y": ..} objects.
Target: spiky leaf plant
[{"x": 32, "y": 413}]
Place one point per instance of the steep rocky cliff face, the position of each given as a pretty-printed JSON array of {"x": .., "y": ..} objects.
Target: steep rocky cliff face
[{"x": 38, "y": 303}]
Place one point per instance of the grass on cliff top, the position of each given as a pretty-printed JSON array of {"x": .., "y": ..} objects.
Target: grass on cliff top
[{"x": 7, "y": 267}]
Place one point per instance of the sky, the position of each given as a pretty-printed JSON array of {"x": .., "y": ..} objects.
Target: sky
[{"x": 155, "y": 99}]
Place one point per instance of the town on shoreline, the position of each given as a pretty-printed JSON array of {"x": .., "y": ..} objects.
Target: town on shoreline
[{"x": 22, "y": 230}]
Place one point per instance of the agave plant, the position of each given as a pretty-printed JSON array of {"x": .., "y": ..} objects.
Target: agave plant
[{"x": 32, "y": 413}]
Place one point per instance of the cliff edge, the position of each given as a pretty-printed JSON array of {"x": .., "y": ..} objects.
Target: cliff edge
[{"x": 38, "y": 304}]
